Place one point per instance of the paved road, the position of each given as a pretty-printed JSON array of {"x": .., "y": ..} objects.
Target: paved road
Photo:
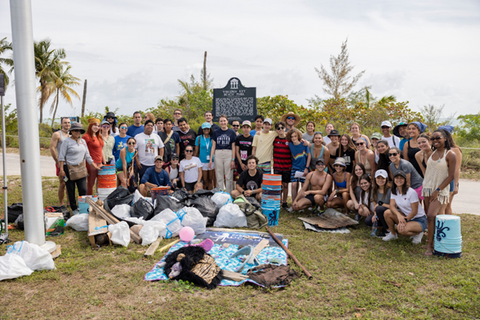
[
  {"x": 13, "y": 165},
  {"x": 466, "y": 201}
]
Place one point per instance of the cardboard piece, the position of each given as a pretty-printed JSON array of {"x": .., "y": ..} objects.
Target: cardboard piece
[{"x": 97, "y": 226}]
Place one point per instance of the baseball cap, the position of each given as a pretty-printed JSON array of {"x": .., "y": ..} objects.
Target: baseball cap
[
  {"x": 334, "y": 133},
  {"x": 376, "y": 135},
  {"x": 105, "y": 122},
  {"x": 320, "y": 160},
  {"x": 381, "y": 173},
  {"x": 268, "y": 120},
  {"x": 206, "y": 125},
  {"x": 246, "y": 123},
  {"x": 400, "y": 173},
  {"x": 174, "y": 156},
  {"x": 386, "y": 123},
  {"x": 159, "y": 158}
]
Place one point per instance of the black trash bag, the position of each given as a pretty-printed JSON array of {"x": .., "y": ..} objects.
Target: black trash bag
[
  {"x": 202, "y": 193},
  {"x": 62, "y": 209},
  {"x": 207, "y": 208},
  {"x": 142, "y": 208},
  {"x": 164, "y": 202},
  {"x": 180, "y": 195},
  {"x": 14, "y": 211},
  {"x": 19, "y": 222},
  {"x": 119, "y": 196}
]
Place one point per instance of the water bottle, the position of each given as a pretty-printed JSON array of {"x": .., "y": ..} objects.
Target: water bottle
[{"x": 374, "y": 229}]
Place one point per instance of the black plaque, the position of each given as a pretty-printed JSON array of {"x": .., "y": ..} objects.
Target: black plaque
[{"x": 235, "y": 101}]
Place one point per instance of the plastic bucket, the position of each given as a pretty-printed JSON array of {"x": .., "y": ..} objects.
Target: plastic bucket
[
  {"x": 103, "y": 193},
  {"x": 107, "y": 177},
  {"x": 83, "y": 206},
  {"x": 448, "y": 236},
  {"x": 272, "y": 180},
  {"x": 159, "y": 191},
  {"x": 272, "y": 216}
]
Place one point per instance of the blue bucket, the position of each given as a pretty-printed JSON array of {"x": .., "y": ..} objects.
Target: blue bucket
[
  {"x": 83, "y": 206},
  {"x": 272, "y": 216},
  {"x": 448, "y": 236}
]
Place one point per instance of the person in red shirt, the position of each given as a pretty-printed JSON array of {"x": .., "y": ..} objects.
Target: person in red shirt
[
  {"x": 282, "y": 160},
  {"x": 95, "y": 146}
]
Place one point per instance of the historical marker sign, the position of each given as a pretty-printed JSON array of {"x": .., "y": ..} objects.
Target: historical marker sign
[{"x": 235, "y": 101}]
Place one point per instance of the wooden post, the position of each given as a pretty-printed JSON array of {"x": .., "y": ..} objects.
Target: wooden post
[
  {"x": 84, "y": 97},
  {"x": 290, "y": 254}
]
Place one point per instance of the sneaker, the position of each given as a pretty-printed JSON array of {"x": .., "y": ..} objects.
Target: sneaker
[
  {"x": 389, "y": 237},
  {"x": 285, "y": 206},
  {"x": 301, "y": 211},
  {"x": 74, "y": 212},
  {"x": 290, "y": 209},
  {"x": 382, "y": 234},
  {"x": 310, "y": 208},
  {"x": 357, "y": 217},
  {"x": 418, "y": 238}
]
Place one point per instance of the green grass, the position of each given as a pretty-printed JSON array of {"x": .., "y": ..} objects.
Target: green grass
[{"x": 353, "y": 276}]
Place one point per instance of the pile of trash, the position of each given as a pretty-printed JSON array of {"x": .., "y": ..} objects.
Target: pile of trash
[
  {"x": 22, "y": 259},
  {"x": 166, "y": 215}
]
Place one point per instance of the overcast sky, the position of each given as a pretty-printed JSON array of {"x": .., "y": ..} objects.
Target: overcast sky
[{"x": 133, "y": 52}]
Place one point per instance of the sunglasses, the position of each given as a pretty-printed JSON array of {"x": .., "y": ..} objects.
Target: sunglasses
[
  {"x": 435, "y": 138},
  {"x": 321, "y": 164},
  {"x": 176, "y": 113},
  {"x": 235, "y": 125},
  {"x": 393, "y": 154},
  {"x": 360, "y": 144},
  {"x": 280, "y": 128},
  {"x": 109, "y": 117},
  {"x": 188, "y": 150},
  {"x": 132, "y": 143},
  {"x": 106, "y": 126},
  {"x": 123, "y": 127},
  {"x": 290, "y": 118}
]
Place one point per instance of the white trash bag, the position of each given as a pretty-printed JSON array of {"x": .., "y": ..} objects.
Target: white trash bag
[
  {"x": 230, "y": 216},
  {"x": 13, "y": 266},
  {"x": 120, "y": 233},
  {"x": 194, "y": 219},
  {"x": 78, "y": 222},
  {"x": 35, "y": 258},
  {"x": 172, "y": 223},
  {"x": 222, "y": 198},
  {"x": 150, "y": 231},
  {"x": 121, "y": 211},
  {"x": 137, "y": 196}
]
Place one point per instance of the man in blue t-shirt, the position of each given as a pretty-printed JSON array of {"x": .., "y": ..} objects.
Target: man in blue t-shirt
[
  {"x": 137, "y": 126},
  {"x": 154, "y": 177}
]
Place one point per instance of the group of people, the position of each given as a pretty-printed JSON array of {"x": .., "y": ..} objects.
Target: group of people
[{"x": 402, "y": 176}]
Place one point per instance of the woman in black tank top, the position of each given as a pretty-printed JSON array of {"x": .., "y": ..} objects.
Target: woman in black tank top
[{"x": 411, "y": 149}]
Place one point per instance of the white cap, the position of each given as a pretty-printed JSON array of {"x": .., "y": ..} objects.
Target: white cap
[
  {"x": 386, "y": 123},
  {"x": 381, "y": 173},
  {"x": 268, "y": 120}
]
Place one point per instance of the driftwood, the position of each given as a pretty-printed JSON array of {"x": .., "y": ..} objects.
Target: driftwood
[
  {"x": 169, "y": 245},
  {"x": 153, "y": 247},
  {"x": 290, "y": 254},
  {"x": 330, "y": 219},
  {"x": 234, "y": 276},
  {"x": 110, "y": 218}
]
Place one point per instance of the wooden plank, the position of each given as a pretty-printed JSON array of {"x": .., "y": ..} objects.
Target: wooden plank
[
  {"x": 111, "y": 219},
  {"x": 153, "y": 247},
  {"x": 258, "y": 248},
  {"x": 57, "y": 252},
  {"x": 169, "y": 245},
  {"x": 234, "y": 276}
]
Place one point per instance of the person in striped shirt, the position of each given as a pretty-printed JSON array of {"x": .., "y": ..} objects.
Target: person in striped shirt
[{"x": 282, "y": 160}]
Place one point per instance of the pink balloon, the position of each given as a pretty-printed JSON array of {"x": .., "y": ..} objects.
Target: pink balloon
[{"x": 186, "y": 234}]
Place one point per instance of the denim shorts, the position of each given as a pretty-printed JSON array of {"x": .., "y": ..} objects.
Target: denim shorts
[{"x": 423, "y": 222}]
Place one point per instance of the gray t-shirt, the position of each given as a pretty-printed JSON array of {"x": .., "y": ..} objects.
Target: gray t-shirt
[
  {"x": 384, "y": 197},
  {"x": 416, "y": 179},
  {"x": 307, "y": 137},
  {"x": 73, "y": 152}
]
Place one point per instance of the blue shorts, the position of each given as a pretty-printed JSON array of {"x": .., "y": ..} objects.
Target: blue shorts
[
  {"x": 452, "y": 185},
  {"x": 293, "y": 179},
  {"x": 423, "y": 222}
]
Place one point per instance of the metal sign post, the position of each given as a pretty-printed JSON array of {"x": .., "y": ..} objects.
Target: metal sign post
[{"x": 4, "y": 238}]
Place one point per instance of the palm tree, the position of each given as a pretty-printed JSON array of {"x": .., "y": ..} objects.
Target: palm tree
[
  {"x": 46, "y": 62},
  {"x": 4, "y": 47},
  {"x": 62, "y": 87}
]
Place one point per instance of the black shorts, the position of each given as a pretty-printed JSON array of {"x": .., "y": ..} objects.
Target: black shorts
[
  {"x": 311, "y": 197},
  {"x": 190, "y": 186},
  {"x": 285, "y": 175}
]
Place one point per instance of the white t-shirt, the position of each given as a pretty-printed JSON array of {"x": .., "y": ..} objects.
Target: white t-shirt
[
  {"x": 364, "y": 200},
  {"x": 393, "y": 141},
  {"x": 190, "y": 167},
  {"x": 404, "y": 202},
  {"x": 147, "y": 146}
]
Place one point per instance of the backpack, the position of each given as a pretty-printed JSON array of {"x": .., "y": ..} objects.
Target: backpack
[{"x": 255, "y": 218}]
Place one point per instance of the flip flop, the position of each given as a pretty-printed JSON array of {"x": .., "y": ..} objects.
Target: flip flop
[{"x": 428, "y": 253}]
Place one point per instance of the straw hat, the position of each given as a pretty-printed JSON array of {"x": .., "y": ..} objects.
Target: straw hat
[{"x": 291, "y": 114}]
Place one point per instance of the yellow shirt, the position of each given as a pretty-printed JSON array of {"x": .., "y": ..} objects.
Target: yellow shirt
[{"x": 264, "y": 144}]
